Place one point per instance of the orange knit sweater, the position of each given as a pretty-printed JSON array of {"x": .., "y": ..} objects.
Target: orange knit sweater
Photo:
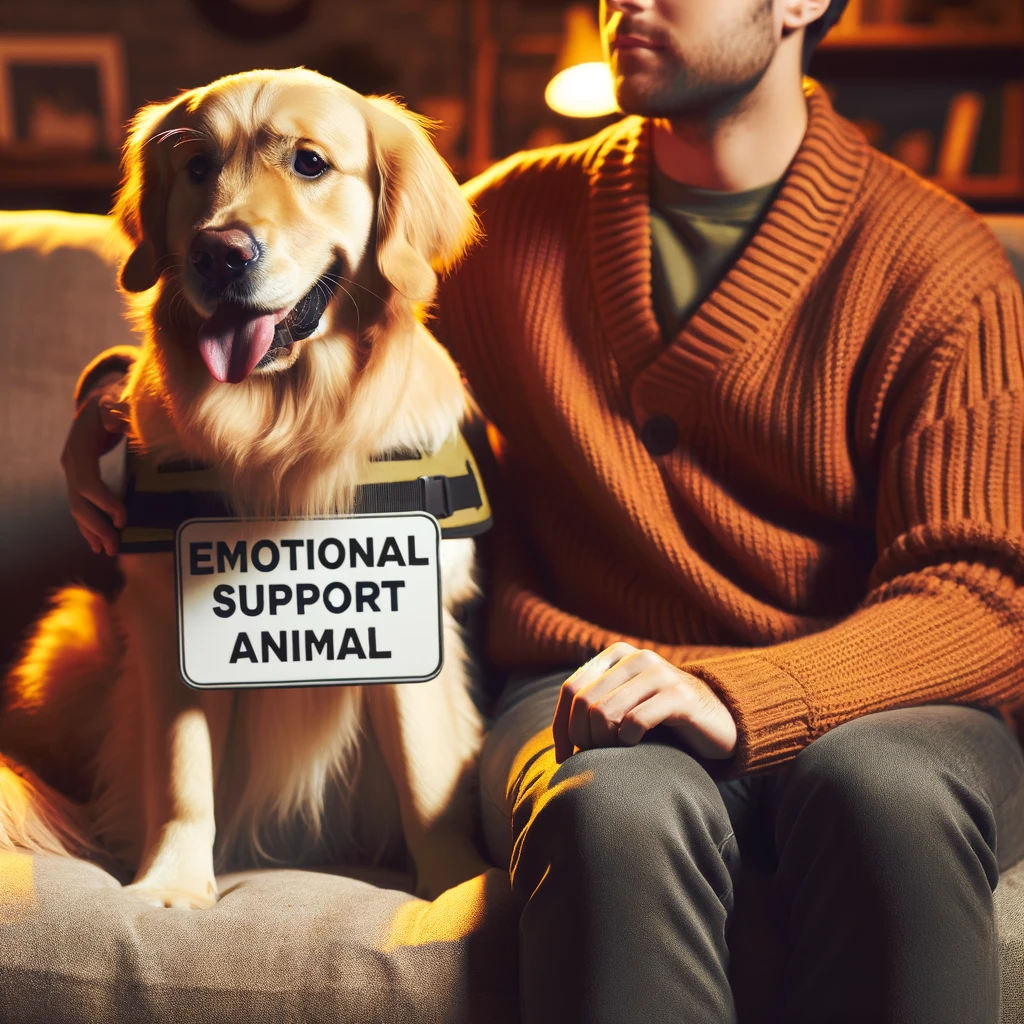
[{"x": 826, "y": 518}]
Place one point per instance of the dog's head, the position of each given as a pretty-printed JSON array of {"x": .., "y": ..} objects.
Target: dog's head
[{"x": 265, "y": 194}]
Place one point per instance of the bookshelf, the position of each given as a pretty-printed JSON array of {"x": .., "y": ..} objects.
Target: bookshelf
[
  {"x": 924, "y": 37},
  {"x": 936, "y": 65}
]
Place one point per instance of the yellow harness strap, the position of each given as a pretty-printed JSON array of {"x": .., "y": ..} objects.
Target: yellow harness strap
[{"x": 159, "y": 497}]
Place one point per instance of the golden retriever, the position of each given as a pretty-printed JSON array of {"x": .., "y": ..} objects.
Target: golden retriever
[{"x": 246, "y": 201}]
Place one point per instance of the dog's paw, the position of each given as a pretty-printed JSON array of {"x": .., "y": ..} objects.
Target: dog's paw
[{"x": 178, "y": 897}]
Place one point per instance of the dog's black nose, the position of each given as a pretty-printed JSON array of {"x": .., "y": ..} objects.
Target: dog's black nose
[{"x": 221, "y": 257}]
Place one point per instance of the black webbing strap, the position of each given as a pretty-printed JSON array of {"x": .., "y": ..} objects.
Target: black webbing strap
[
  {"x": 167, "y": 511},
  {"x": 441, "y": 496}
]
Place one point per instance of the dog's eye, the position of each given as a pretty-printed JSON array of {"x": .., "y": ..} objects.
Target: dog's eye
[
  {"x": 198, "y": 167},
  {"x": 309, "y": 164}
]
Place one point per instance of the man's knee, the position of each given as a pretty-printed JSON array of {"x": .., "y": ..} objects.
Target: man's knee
[
  {"x": 884, "y": 783},
  {"x": 622, "y": 804}
]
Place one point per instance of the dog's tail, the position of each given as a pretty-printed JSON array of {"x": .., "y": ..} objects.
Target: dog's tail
[
  {"x": 51, "y": 720},
  {"x": 34, "y": 816}
]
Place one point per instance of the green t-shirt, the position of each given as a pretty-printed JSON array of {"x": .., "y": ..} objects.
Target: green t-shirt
[{"x": 696, "y": 234}]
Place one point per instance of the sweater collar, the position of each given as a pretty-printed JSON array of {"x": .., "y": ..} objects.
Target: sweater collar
[{"x": 765, "y": 282}]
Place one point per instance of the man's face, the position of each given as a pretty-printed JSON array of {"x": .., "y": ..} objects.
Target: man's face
[{"x": 686, "y": 58}]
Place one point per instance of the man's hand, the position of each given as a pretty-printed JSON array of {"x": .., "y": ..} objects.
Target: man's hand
[
  {"x": 622, "y": 692},
  {"x": 96, "y": 428}
]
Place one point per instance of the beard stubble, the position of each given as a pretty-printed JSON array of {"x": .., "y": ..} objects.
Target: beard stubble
[{"x": 707, "y": 86}]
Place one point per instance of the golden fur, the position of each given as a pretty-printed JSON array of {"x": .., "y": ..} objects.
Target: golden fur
[{"x": 299, "y": 775}]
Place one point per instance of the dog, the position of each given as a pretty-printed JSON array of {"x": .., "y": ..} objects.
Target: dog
[{"x": 245, "y": 202}]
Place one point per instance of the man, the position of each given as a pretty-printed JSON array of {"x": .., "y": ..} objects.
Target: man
[{"x": 756, "y": 395}]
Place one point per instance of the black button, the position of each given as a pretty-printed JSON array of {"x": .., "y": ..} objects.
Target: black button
[{"x": 660, "y": 435}]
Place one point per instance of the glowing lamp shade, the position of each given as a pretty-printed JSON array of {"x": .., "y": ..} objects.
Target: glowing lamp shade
[{"x": 582, "y": 84}]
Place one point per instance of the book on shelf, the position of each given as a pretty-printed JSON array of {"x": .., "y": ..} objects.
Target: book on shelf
[{"x": 960, "y": 135}]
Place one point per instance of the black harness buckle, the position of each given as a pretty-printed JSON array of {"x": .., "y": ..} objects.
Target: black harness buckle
[{"x": 436, "y": 495}]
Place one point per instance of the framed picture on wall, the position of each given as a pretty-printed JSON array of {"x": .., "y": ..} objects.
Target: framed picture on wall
[{"x": 61, "y": 94}]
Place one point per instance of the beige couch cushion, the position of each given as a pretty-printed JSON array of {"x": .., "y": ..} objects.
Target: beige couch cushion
[
  {"x": 280, "y": 945},
  {"x": 60, "y": 308},
  {"x": 1010, "y": 925}
]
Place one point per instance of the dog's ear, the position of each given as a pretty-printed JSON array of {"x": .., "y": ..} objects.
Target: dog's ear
[
  {"x": 141, "y": 204},
  {"x": 424, "y": 222}
]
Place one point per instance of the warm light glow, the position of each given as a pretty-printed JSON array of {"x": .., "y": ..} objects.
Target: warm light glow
[
  {"x": 585, "y": 90},
  {"x": 17, "y": 889},
  {"x": 456, "y": 914},
  {"x": 581, "y": 83}
]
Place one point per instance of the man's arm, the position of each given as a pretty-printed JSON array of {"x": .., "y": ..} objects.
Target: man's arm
[
  {"x": 943, "y": 621},
  {"x": 97, "y": 425}
]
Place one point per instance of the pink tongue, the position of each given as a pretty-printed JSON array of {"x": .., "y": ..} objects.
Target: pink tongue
[{"x": 233, "y": 341}]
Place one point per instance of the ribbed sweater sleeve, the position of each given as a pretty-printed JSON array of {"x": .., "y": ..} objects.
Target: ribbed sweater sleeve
[{"x": 944, "y": 614}]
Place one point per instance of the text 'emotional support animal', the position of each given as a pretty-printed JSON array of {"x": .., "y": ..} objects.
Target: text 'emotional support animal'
[{"x": 351, "y": 599}]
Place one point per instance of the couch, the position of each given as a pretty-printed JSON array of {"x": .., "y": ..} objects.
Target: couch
[{"x": 340, "y": 945}]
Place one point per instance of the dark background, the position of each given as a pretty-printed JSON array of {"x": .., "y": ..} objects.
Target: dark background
[{"x": 494, "y": 57}]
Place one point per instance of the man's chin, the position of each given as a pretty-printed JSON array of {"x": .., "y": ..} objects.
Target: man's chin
[
  {"x": 649, "y": 93},
  {"x": 643, "y": 99},
  {"x": 694, "y": 106}
]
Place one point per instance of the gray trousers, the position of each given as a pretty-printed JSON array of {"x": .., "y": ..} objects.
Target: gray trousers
[{"x": 885, "y": 839}]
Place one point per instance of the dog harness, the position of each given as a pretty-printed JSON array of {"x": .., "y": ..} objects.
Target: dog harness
[{"x": 159, "y": 497}]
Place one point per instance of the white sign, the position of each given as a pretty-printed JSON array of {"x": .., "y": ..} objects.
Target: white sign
[{"x": 300, "y": 602}]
